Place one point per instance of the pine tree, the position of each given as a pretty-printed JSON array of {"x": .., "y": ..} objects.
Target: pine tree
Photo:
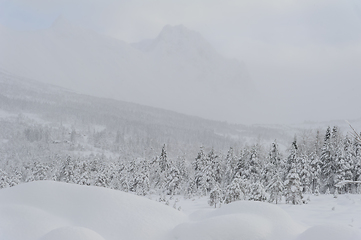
[
  {"x": 140, "y": 183},
  {"x": 356, "y": 169},
  {"x": 315, "y": 172},
  {"x": 273, "y": 165},
  {"x": 327, "y": 168},
  {"x": 210, "y": 176},
  {"x": 230, "y": 167},
  {"x": 348, "y": 158},
  {"x": 254, "y": 164},
  {"x": 4, "y": 179},
  {"x": 305, "y": 174},
  {"x": 275, "y": 188},
  {"x": 164, "y": 164},
  {"x": 173, "y": 181},
  {"x": 293, "y": 160},
  {"x": 237, "y": 190},
  {"x": 293, "y": 190},
  {"x": 257, "y": 192},
  {"x": 215, "y": 196},
  {"x": 67, "y": 171},
  {"x": 198, "y": 166},
  {"x": 242, "y": 165}
]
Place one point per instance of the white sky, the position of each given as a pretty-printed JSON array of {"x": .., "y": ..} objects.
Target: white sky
[{"x": 304, "y": 55}]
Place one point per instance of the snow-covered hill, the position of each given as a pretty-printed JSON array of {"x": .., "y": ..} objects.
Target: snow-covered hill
[
  {"x": 52, "y": 211},
  {"x": 29, "y": 211},
  {"x": 178, "y": 70}
]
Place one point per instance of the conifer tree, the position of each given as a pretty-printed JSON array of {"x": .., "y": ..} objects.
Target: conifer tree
[
  {"x": 293, "y": 190},
  {"x": 67, "y": 171},
  {"x": 326, "y": 159},
  {"x": 254, "y": 165},
  {"x": 235, "y": 191},
  {"x": 293, "y": 160},
  {"x": 230, "y": 167},
  {"x": 275, "y": 188},
  {"x": 215, "y": 196},
  {"x": 173, "y": 181},
  {"x": 315, "y": 172},
  {"x": 198, "y": 166},
  {"x": 4, "y": 179},
  {"x": 273, "y": 164},
  {"x": 305, "y": 174},
  {"x": 257, "y": 192},
  {"x": 209, "y": 173}
]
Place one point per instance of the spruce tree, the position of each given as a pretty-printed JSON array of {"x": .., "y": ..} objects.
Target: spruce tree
[
  {"x": 215, "y": 196},
  {"x": 275, "y": 188},
  {"x": 293, "y": 190},
  {"x": 257, "y": 192},
  {"x": 230, "y": 167},
  {"x": 235, "y": 191}
]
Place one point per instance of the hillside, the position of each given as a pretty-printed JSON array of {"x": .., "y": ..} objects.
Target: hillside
[
  {"x": 178, "y": 70},
  {"x": 108, "y": 125}
]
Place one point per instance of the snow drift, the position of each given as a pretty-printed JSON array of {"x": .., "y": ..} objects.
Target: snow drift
[
  {"x": 240, "y": 220},
  {"x": 48, "y": 210},
  {"x": 31, "y": 211},
  {"x": 330, "y": 232},
  {"x": 72, "y": 233}
]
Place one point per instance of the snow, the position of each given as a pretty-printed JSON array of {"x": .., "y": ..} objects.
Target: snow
[
  {"x": 177, "y": 61},
  {"x": 47, "y": 210},
  {"x": 325, "y": 209},
  {"x": 72, "y": 233},
  {"x": 29, "y": 211},
  {"x": 330, "y": 232},
  {"x": 240, "y": 220},
  {"x": 4, "y": 114}
]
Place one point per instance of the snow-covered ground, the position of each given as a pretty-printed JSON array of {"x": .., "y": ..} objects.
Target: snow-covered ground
[{"x": 53, "y": 211}]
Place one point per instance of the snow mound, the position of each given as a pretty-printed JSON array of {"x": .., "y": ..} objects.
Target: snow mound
[
  {"x": 240, "y": 220},
  {"x": 72, "y": 233},
  {"x": 31, "y": 210},
  {"x": 330, "y": 232}
]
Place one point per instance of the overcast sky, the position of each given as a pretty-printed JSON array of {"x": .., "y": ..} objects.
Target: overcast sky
[{"x": 304, "y": 56}]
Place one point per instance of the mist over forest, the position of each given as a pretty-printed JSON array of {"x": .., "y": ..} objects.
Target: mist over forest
[{"x": 159, "y": 120}]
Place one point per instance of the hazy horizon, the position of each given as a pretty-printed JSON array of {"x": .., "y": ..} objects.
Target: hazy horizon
[{"x": 303, "y": 57}]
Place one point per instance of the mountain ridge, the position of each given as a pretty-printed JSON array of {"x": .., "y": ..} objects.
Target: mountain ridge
[{"x": 94, "y": 64}]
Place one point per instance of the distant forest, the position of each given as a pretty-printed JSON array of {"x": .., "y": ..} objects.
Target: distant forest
[
  {"x": 327, "y": 163},
  {"x": 47, "y": 133}
]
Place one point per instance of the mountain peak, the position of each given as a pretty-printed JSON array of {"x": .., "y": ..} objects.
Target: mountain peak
[
  {"x": 178, "y": 33},
  {"x": 61, "y": 23}
]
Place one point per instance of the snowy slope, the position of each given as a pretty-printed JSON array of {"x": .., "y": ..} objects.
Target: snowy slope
[
  {"x": 52, "y": 211},
  {"x": 178, "y": 70},
  {"x": 31, "y": 211},
  {"x": 72, "y": 57}
]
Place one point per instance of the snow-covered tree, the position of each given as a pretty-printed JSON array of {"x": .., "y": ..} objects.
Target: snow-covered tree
[
  {"x": 257, "y": 192},
  {"x": 275, "y": 188},
  {"x": 305, "y": 173},
  {"x": 67, "y": 171},
  {"x": 215, "y": 196},
  {"x": 235, "y": 191},
  {"x": 173, "y": 181},
  {"x": 230, "y": 167},
  {"x": 293, "y": 189}
]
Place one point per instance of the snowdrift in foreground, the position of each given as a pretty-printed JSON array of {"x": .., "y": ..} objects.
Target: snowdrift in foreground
[
  {"x": 56, "y": 211},
  {"x": 72, "y": 233},
  {"x": 240, "y": 220},
  {"x": 31, "y": 211},
  {"x": 330, "y": 232}
]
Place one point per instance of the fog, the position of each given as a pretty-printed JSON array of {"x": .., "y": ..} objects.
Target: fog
[{"x": 303, "y": 57}]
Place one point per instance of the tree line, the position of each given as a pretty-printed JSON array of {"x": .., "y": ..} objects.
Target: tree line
[{"x": 317, "y": 166}]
